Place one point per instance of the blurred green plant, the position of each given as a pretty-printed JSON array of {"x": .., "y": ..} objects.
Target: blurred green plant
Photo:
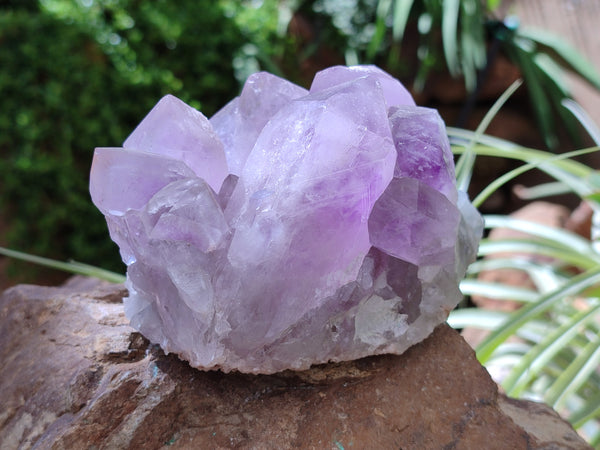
[
  {"x": 81, "y": 74},
  {"x": 184, "y": 48},
  {"x": 549, "y": 349},
  {"x": 542, "y": 58},
  {"x": 464, "y": 36},
  {"x": 264, "y": 26}
]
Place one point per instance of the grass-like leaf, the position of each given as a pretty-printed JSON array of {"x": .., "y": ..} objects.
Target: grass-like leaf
[
  {"x": 383, "y": 7},
  {"x": 542, "y": 354},
  {"x": 464, "y": 165},
  {"x": 544, "y": 276},
  {"x": 557, "y": 236},
  {"x": 472, "y": 43},
  {"x": 485, "y": 320},
  {"x": 498, "y": 291},
  {"x": 523, "y": 53},
  {"x": 573, "y": 287},
  {"x": 451, "y": 9},
  {"x": 591, "y": 410},
  {"x": 563, "y": 256},
  {"x": 552, "y": 77},
  {"x": 542, "y": 190},
  {"x": 575, "y": 375},
  {"x": 71, "y": 267},
  {"x": 400, "y": 19},
  {"x": 573, "y": 58},
  {"x": 553, "y": 72},
  {"x": 576, "y": 175},
  {"x": 583, "y": 117}
]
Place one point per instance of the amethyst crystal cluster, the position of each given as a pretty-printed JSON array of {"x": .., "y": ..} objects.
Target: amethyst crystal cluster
[{"x": 294, "y": 227}]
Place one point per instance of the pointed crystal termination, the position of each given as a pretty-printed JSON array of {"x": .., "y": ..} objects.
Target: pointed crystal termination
[
  {"x": 292, "y": 228},
  {"x": 239, "y": 123},
  {"x": 178, "y": 131}
]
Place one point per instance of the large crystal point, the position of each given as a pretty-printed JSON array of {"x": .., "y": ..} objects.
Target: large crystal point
[
  {"x": 239, "y": 123},
  {"x": 394, "y": 92},
  {"x": 178, "y": 131},
  {"x": 294, "y": 228}
]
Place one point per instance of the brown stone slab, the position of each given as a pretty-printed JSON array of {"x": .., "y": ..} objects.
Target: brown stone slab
[{"x": 74, "y": 375}]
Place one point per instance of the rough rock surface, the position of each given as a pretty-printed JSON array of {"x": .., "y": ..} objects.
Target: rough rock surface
[{"x": 75, "y": 375}]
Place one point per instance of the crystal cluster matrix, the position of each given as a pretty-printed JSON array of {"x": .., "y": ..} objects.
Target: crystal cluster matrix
[{"x": 293, "y": 228}]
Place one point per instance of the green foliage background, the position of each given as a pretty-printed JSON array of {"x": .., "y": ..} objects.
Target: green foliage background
[{"x": 76, "y": 75}]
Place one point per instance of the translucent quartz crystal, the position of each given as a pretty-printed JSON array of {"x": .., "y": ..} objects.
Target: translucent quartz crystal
[{"x": 294, "y": 228}]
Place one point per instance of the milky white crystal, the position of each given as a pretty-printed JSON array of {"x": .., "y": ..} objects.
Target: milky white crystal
[{"x": 292, "y": 228}]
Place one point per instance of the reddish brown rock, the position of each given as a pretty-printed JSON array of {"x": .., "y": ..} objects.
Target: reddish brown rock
[{"x": 74, "y": 375}]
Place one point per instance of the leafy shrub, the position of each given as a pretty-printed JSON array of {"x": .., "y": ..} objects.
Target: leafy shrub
[{"x": 67, "y": 88}]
